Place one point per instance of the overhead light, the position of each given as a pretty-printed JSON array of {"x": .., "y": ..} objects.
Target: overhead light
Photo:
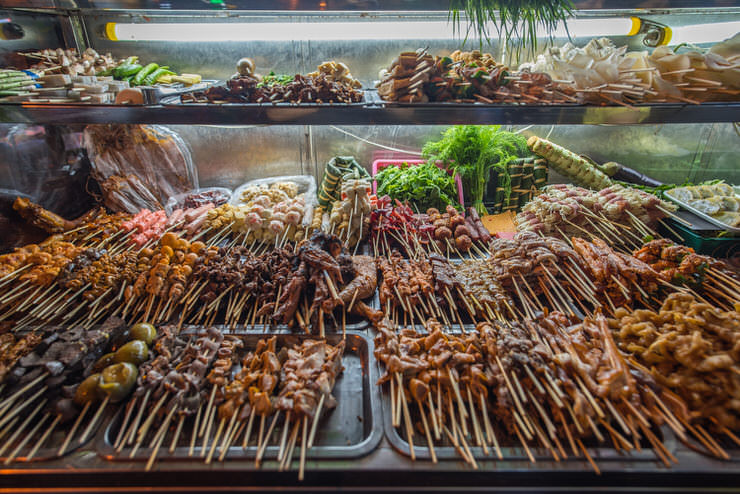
[
  {"x": 340, "y": 31},
  {"x": 702, "y": 33}
]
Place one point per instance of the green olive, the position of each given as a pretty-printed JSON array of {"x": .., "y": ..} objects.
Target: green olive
[
  {"x": 87, "y": 391},
  {"x": 118, "y": 380},
  {"x": 143, "y": 331},
  {"x": 134, "y": 352},
  {"x": 104, "y": 361}
]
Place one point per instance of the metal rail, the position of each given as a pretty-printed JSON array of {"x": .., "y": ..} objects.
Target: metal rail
[{"x": 368, "y": 114}]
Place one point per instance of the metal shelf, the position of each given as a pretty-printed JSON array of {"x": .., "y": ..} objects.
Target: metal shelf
[
  {"x": 369, "y": 114},
  {"x": 330, "y": 5}
]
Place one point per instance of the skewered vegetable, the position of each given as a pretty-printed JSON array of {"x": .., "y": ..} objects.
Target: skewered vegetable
[
  {"x": 568, "y": 163},
  {"x": 117, "y": 381}
]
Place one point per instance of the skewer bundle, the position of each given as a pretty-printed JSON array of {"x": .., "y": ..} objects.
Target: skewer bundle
[
  {"x": 40, "y": 388},
  {"x": 535, "y": 383},
  {"x": 466, "y": 77},
  {"x": 399, "y": 227},
  {"x": 691, "y": 348},
  {"x": 209, "y": 395},
  {"x": 616, "y": 214},
  {"x": 681, "y": 266},
  {"x": 282, "y": 286},
  {"x": 616, "y": 275}
]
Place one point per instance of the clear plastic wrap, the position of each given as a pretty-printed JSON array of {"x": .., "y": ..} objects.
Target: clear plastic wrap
[
  {"x": 139, "y": 166},
  {"x": 222, "y": 195},
  {"x": 49, "y": 164},
  {"x": 16, "y": 230},
  {"x": 306, "y": 185}
]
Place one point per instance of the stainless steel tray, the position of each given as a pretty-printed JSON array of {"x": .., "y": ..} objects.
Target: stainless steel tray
[
  {"x": 511, "y": 450},
  {"x": 351, "y": 430},
  {"x": 701, "y": 215},
  {"x": 49, "y": 449}
]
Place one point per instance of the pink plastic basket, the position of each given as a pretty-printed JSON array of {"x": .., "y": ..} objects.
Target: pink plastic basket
[{"x": 380, "y": 164}]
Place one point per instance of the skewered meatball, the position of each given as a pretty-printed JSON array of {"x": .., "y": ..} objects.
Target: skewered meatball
[
  {"x": 461, "y": 230},
  {"x": 463, "y": 243},
  {"x": 442, "y": 233},
  {"x": 456, "y": 220}
]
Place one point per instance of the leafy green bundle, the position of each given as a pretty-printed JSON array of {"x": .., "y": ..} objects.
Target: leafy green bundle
[
  {"x": 517, "y": 20},
  {"x": 472, "y": 151},
  {"x": 424, "y": 184}
]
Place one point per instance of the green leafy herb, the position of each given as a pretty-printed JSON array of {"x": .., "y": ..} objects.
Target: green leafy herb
[
  {"x": 272, "y": 79},
  {"x": 425, "y": 185},
  {"x": 472, "y": 151},
  {"x": 517, "y": 20}
]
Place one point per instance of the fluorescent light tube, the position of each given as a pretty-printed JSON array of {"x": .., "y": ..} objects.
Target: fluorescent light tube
[
  {"x": 702, "y": 33},
  {"x": 338, "y": 31}
]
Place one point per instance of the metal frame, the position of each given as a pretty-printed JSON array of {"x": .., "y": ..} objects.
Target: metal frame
[{"x": 368, "y": 114}]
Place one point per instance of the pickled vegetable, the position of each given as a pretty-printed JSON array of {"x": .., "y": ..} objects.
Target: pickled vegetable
[
  {"x": 143, "y": 331},
  {"x": 134, "y": 352},
  {"x": 105, "y": 361},
  {"x": 87, "y": 391},
  {"x": 117, "y": 381}
]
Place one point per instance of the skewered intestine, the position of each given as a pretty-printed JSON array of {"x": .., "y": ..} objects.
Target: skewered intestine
[
  {"x": 541, "y": 381},
  {"x": 692, "y": 348}
]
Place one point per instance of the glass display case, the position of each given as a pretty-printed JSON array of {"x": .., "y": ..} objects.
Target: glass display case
[{"x": 42, "y": 156}]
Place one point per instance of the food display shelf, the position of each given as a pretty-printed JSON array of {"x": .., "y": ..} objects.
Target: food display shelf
[{"x": 371, "y": 113}]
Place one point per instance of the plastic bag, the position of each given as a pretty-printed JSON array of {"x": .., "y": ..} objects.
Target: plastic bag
[
  {"x": 49, "y": 164},
  {"x": 215, "y": 195},
  {"x": 139, "y": 166},
  {"x": 16, "y": 231},
  {"x": 306, "y": 185}
]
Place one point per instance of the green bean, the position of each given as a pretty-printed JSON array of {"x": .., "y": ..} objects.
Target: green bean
[
  {"x": 140, "y": 75},
  {"x": 152, "y": 78}
]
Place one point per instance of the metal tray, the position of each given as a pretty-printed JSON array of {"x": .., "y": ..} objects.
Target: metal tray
[
  {"x": 351, "y": 430},
  {"x": 701, "y": 215},
  {"x": 510, "y": 450},
  {"x": 49, "y": 449}
]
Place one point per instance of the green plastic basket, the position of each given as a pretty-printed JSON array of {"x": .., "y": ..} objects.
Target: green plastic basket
[{"x": 721, "y": 247}]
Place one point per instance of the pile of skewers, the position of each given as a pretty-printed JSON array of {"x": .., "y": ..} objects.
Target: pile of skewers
[
  {"x": 331, "y": 83},
  {"x": 691, "y": 348},
  {"x": 449, "y": 233},
  {"x": 536, "y": 383},
  {"x": 218, "y": 394},
  {"x": 531, "y": 274},
  {"x": 602, "y": 73},
  {"x": 680, "y": 265},
  {"x": 97, "y": 273},
  {"x": 619, "y": 215},
  {"x": 466, "y": 77},
  {"x": 52, "y": 378}
]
